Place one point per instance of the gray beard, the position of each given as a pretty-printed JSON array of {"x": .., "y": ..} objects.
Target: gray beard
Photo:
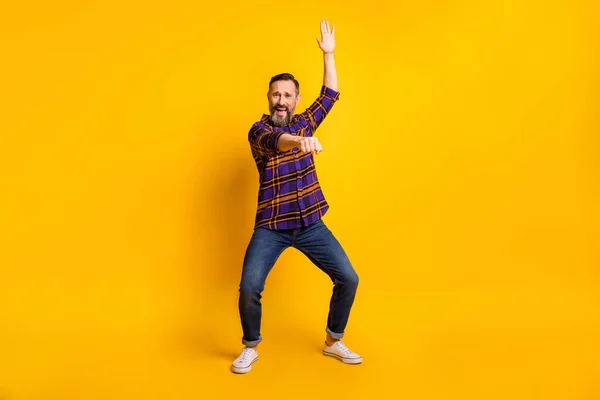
[{"x": 279, "y": 121}]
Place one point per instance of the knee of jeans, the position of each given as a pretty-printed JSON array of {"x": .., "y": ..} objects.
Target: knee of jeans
[
  {"x": 250, "y": 289},
  {"x": 351, "y": 280}
]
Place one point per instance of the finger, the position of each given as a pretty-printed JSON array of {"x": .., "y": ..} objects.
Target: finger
[
  {"x": 333, "y": 29},
  {"x": 308, "y": 146},
  {"x": 327, "y": 27},
  {"x": 315, "y": 144},
  {"x": 323, "y": 28}
]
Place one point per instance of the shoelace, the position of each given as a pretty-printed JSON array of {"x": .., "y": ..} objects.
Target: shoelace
[
  {"x": 245, "y": 354},
  {"x": 342, "y": 347}
]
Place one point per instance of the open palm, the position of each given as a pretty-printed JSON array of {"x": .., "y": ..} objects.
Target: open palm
[{"x": 327, "y": 41}]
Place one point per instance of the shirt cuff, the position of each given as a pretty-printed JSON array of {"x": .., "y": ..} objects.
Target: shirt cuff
[
  {"x": 274, "y": 144},
  {"x": 329, "y": 92}
]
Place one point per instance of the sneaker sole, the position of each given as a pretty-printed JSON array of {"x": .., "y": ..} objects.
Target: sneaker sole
[
  {"x": 243, "y": 370},
  {"x": 342, "y": 359}
]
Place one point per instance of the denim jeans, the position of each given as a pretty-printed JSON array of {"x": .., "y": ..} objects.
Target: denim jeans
[{"x": 322, "y": 248}]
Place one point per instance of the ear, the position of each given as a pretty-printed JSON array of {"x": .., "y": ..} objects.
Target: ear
[{"x": 298, "y": 98}]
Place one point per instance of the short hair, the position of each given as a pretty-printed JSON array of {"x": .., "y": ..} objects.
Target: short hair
[{"x": 285, "y": 77}]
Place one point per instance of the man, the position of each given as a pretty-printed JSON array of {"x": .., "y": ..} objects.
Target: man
[{"x": 291, "y": 206}]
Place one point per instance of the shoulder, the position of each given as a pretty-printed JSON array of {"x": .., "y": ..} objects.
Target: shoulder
[{"x": 261, "y": 125}]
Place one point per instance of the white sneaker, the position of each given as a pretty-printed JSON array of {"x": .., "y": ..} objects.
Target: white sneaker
[
  {"x": 244, "y": 362},
  {"x": 341, "y": 352}
]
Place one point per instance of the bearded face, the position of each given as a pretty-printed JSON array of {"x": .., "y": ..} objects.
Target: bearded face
[{"x": 283, "y": 99}]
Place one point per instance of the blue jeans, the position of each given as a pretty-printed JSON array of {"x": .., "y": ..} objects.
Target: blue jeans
[{"x": 322, "y": 248}]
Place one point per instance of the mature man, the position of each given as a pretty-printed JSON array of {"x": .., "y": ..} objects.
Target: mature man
[{"x": 291, "y": 206}]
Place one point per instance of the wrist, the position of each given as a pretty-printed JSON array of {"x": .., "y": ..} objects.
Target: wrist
[{"x": 293, "y": 139}]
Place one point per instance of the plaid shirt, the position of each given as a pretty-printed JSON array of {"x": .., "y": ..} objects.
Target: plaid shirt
[{"x": 289, "y": 195}]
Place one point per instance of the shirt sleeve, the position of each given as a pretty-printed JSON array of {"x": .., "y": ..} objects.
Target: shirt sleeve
[
  {"x": 264, "y": 139},
  {"x": 316, "y": 113}
]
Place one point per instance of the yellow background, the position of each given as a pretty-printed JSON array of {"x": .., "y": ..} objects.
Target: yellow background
[{"x": 461, "y": 165}]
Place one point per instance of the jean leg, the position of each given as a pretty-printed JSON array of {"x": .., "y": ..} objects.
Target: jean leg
[
  {"x": 320, "y": 245},
  {"x": 264, "y": 249}
]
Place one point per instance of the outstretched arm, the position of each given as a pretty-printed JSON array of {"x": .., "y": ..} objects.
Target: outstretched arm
[
  {"x": 305, "y": 144},
  {"x": 266, "y": 140},
  {"x": 327, "y": 45}
]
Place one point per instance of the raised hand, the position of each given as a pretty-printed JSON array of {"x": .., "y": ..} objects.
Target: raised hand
[{"x": 327, "y": 41}]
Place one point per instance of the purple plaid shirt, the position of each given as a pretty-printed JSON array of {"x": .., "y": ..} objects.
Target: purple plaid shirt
[{"x": 289, "y": 195}]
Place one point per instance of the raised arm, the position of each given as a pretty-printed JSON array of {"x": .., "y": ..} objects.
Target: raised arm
[
  {"x": 319, "y": 109},
  {"x": 327, "y": 45}
]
